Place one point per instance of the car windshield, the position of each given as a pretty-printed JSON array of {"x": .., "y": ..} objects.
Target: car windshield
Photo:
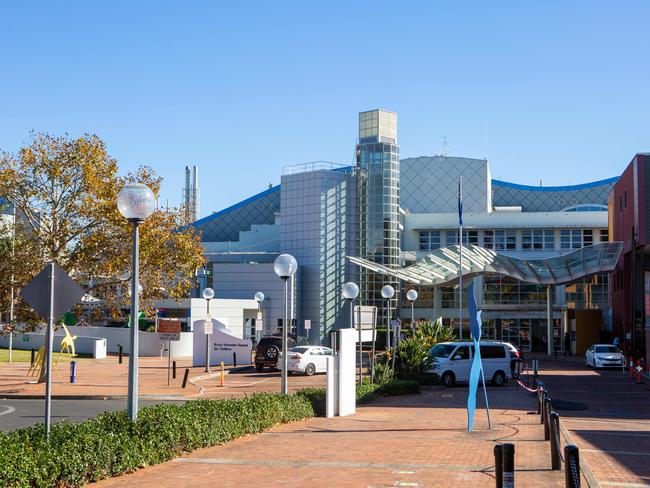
[
  {"x": 606, "y": 349},
  {"x": 441, "y": 350},
  {"x": 300, "y": 350}
]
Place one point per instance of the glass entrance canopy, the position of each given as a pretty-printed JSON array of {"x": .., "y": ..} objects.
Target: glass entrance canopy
[{"x": 442, "y": 266}]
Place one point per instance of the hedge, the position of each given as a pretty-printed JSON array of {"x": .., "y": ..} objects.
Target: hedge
[{"x": 111, "y": 445}]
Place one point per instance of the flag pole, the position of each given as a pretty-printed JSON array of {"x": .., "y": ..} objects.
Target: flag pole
[{"x": 460, "y": 261}]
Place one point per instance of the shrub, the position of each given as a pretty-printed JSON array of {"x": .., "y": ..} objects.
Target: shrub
[
  {"x": 413, "y": 351},
  {"x": 110, "y": 444}
]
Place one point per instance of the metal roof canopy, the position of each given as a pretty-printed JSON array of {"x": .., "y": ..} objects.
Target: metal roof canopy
[{"x": 440, "y": 267}]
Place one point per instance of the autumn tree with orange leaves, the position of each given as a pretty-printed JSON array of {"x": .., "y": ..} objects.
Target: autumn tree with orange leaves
[{"x": 64, "y": 191}]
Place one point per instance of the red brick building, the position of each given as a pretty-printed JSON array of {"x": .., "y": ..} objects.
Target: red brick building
[{"x": 629, "y": 222}]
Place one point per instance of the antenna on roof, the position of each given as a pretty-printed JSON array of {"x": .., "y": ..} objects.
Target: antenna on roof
[{"x": 445, "y": 146}]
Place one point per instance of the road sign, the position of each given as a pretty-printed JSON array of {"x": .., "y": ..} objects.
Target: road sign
[
  {"x": 169, "y": 329},
  {"x": 259, "y": 325},
  {"x": 207, "y": 327},
  {"x": 259, "y": 316},
  {"x": 66, "y": 293},
  {"x": 307, "y": 324},
  {"x": 51, "y": 293}
]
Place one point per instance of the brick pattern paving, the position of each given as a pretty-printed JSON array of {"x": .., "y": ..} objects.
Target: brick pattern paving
[
  {"x": 106, "y": 377},
  {"x": 613, "y": 434},
  {"x": 401, "y": 441}
]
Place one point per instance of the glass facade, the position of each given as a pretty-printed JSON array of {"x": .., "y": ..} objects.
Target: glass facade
[
  {"x": 509, "y": 291},
  {"x": 377, "y": 157}
]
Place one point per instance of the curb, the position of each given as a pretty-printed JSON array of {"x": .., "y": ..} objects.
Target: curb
[
  {"x": 592, "y": 481},
  {"x": 94, "y": 397}
]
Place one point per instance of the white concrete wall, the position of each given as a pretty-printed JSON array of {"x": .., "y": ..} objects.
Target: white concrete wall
[
  {"x": 149, "y": 342},
  {"x": 83, "y": 345},
  {"x": 242, "y": 281}
]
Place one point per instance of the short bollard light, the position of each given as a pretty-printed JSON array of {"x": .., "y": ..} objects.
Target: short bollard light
[
  {"x": 498, "y": 465},
  {"x": 508, "y": 466},
  {"x": 73, "y": 371},
  {"x": 223, "y": 374}
]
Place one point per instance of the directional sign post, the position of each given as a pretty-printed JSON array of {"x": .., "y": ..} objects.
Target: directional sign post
[{"x": 51, "y": 293}]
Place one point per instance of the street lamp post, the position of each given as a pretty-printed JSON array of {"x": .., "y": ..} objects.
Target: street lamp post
[
  {"x": 412, "y": 295},
  {"x": 208, "y": 294},
  {"x": 135, "y": 202},
  {"x": 350, "y": 291},
  {"x": 388, "y": 292},
  {"x": 259, "y": 298},
  {"x": 285, "y": 266}
]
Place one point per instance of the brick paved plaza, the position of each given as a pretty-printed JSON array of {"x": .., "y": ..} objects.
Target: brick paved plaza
[{"x": 419, "y": 440}]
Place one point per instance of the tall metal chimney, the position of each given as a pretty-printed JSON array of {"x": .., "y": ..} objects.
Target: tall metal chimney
[{"x": 195, "y": 193}]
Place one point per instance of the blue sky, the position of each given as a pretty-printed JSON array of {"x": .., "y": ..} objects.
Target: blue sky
[{"x": 562, "y": 89}]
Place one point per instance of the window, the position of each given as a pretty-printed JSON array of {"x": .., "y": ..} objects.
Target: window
[
  {"x": 452, "y": 237},
  {"x": 537, "y": 239},
  {"x": 488, "y": 239},
  {"x": 462, "y": 351},
  {"x": 587, "y": 237},
  {"x": 429, "y": 240},
  {"x": 604, "y": 235},
  {"x": 505, "y": 240},
  {"x": 492, "y": 352},
  {"x": 571, "y": 239},
  {"x": 471, "y": 237}
]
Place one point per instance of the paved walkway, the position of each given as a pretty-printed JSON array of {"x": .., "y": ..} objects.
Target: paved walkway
[
  {"x": 613, "y": 434},
  {"x": 106, "y": 378},
  {"x": 401, "y": 441}
]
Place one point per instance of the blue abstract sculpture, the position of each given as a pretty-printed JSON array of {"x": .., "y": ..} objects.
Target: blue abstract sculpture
[{"x": 477, "y": 364}]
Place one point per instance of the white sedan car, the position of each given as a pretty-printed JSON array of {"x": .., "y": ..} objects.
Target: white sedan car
[
  {"x": 604, "y": 356},
  {"x": 307, "y": 359}
]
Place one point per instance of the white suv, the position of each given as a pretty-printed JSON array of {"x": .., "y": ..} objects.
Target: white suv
[{"x": 452, "y": 361}]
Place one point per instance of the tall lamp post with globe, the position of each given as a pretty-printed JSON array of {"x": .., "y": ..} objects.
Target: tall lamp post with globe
[
  {"x": 412, "y": 295},
  {"x": 285, "y": 266},
  {"x": 259, "y": 298},
  {"x": 388, "y": 292},
  {"x": 135, "y": 202},
  {"x": 208, "y": 294},
  {"x": 350, "y": 291}
]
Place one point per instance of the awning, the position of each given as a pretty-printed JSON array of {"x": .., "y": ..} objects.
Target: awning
[{"x": 441, "y": 267}]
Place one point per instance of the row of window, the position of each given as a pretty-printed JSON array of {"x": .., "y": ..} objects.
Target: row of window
[{"x": 506, "y": 240}]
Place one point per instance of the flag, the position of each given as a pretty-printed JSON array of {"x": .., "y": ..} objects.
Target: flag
[{"x": 460, "y": 201}]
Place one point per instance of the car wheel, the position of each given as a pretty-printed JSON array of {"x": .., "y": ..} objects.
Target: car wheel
[
  {"x": 259, "y": 368},
  {"x": 310, "y": 369},
  {"x": 499, "y": 378},
  {"x": 272, "y": 352},
  {"x": 448, "y": 379}
]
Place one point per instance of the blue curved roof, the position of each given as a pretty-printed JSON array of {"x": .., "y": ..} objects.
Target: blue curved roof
[
  {"x": 580, "y": 186},
  {"x": 226, "y": 224}
]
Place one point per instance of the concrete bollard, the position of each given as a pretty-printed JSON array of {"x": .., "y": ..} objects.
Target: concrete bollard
[{"x": 223, "y": 374}]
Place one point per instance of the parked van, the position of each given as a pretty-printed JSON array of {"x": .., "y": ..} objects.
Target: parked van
[{"x": 452, "y": 361}]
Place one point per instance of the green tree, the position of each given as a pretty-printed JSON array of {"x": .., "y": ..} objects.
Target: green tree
[{"x": 65, "y": 192}]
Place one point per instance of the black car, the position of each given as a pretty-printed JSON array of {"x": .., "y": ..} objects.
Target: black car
[{"x": 268, "y": 350}]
